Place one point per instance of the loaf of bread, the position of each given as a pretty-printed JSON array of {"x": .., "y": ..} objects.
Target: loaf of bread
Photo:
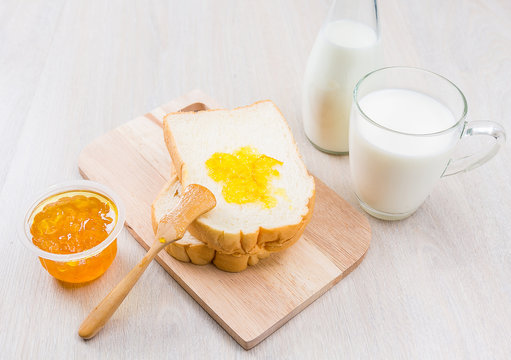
[{"x": 239, "y": 230}]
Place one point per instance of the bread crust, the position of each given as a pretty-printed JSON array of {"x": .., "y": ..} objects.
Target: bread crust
[{"x": 237, "y": 244}]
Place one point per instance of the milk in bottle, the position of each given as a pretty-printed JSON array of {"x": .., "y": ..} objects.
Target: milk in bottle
[{"x": 344, "y": 51}]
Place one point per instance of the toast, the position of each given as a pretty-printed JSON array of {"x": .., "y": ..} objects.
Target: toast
[{"x": 241, "y": 229}]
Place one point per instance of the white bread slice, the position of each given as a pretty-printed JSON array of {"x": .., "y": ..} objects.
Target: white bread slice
[
  {"x": 189, "y": 249},
  {"x": 193, "y": 137}
]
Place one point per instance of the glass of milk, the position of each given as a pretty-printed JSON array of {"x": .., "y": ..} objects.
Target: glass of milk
[
  {"x": 405, "y": 123},
  {"x": 346, "y": 48}
]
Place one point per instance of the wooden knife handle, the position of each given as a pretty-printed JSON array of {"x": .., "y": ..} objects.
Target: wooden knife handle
[{"x": 106, "y": 308}]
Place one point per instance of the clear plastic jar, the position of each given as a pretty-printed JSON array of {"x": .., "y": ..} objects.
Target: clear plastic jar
[{"x": 85, "y": 265}]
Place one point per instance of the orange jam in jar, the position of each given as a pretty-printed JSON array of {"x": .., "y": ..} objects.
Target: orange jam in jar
[{"x": 73, "y": 230}]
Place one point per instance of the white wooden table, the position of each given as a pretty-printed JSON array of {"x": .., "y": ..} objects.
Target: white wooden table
[{"x": 436, "y": 285}]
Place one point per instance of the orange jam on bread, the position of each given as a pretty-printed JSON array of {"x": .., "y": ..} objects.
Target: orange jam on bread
[
  {"x": 246, "y": 176},
  {"x": 70, "y": 223}
]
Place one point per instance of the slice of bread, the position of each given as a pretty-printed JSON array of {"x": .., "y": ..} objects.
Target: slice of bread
[
  {"x": 250, "y": 228},
  {"x": 189, "y": 249}
]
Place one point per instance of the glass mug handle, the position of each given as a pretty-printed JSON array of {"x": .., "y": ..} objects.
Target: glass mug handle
[{"x": 455, "y": 166}]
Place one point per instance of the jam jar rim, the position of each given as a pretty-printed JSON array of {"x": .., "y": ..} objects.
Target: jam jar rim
[{"x": 70, "y": 186}]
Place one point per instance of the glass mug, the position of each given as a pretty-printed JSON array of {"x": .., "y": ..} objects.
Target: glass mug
[{"x": 404, "y": 126}]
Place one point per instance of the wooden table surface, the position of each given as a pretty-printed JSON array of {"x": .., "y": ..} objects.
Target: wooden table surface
[{"x": 436, "y": 285}]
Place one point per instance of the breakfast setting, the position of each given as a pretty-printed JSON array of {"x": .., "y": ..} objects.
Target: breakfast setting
[{"x": 274, "y": 180}]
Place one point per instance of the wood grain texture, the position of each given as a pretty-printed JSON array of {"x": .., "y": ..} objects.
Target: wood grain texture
[
  {"x": 254, "y": 303},
  {"x": 433, "y": 286}
]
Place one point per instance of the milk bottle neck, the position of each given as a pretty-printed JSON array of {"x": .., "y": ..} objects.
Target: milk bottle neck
[{"x": 362, "y": 11}]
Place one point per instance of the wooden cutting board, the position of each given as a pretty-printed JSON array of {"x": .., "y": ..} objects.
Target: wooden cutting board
[{"x": 133, "y": 160}]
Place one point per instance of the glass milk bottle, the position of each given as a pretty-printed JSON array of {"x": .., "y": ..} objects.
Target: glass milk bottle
[{"x": 347, "y": 47}]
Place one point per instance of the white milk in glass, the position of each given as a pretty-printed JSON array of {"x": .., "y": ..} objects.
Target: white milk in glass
[
  {"x": 344, "y": 51},
  {"x": 392, "y": 172}
]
